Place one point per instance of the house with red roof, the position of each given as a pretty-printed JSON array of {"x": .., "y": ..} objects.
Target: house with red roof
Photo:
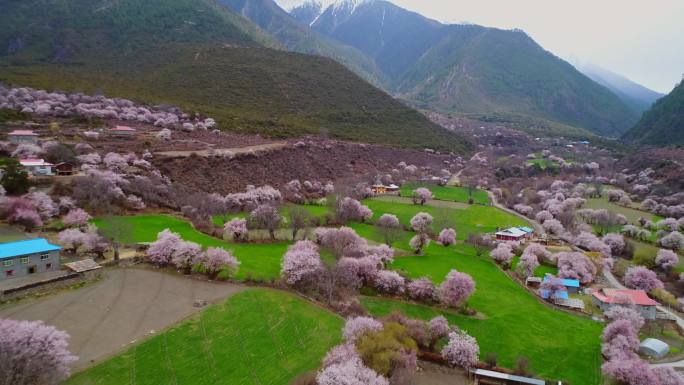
[
  {"x": 22, "y": 136},
  {"x": 122, "y": 131},
  {"x": 608, "y": 298}
]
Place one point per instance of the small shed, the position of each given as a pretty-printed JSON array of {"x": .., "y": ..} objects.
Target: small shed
[
  {"x": 654, "y": 348},
  {"x": 122, "y": 131},
  {"x": 22, "y": 136},
  {"x": 86, "y": 267},
  {"x": 64, "y": 169},
  {"x": 533, "y": 281}
]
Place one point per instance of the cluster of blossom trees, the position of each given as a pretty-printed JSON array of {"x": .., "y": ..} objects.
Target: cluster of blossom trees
[
  {"x": 44, "y": 103},
  {"x": 620, "y": 341},
  {"x": 307, "y": 191},
  {"x": 170, "y": 250},
  {"x": 356, "y": 265},
  {"x": 383, "y": 353},
  {"x": 33, "y": 353},
  {"x": 32, "y": 209}
]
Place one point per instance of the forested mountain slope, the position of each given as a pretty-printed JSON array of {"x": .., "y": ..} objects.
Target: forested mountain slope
[
  {"x": 663, "y": 124},
  {"x": 203, "y": 57}
]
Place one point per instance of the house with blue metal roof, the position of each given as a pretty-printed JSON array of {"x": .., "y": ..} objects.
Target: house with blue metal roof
[
  {"x": 31, "y": 256},
  {"x": 572, "y": 285}
]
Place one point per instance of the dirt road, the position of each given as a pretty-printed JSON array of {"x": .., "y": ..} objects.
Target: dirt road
[
  {"x": 228, "y": 152},
  {"x": 125, "y": 306}
]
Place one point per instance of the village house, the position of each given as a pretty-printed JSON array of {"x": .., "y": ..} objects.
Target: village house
[
  {"x": 27, "y": 257},
  {"x": 514, "y": 234},
  {"x": 122, "y": 131},
  {"x": 380, "y": 189},
  {"x": 571, "y": 285},
  {"x": 37, "y": 167},
  {"x": 22, "y": 136},
  {"x": 607, "y": 298},
  {"x": 64, "y": 169}
]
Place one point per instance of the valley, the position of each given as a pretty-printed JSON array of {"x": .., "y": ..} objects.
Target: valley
[{"x": 336, "y": 192}]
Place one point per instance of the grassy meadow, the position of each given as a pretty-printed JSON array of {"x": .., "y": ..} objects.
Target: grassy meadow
[
  {"x": 257, "y": 260},
  {"x": 258, "y": 336},
  {"x": 447, "y": 193}
]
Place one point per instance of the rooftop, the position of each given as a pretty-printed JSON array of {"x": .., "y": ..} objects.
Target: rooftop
[
  {"x": 29, "y": 246},
  {"x": 34, "y": 162},
  {"x": 83, "y": 265},
  {"x": 564, "y": 281},
  {"x": 509, "y": 377},
  {"x": 23, "y": 133},
  {"x": 512, "y": 232},
  {"x": 122, "y": 128},
  {"x": 637, "y": 297}
]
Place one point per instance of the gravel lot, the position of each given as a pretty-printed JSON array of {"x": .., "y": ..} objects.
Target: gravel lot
[{"x": 125, "y": 306}]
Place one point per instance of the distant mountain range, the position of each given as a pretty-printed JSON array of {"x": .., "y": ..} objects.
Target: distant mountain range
[
  {"x": 471, "y": 69},
  {"x": 663, "y": 124},
  {"x": 635, "y": 95},
  {"x": 201, "y": 56}
]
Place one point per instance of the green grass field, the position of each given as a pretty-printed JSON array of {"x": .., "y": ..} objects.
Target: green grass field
[
  {"x": 257, "y": 260},
  {"x": 447, "y": 193},
  {"x": 558, "y": 345},
  {"x": 543, "y": 164},
  {"x": 631, "y": 214},
  {"x": 540, "y": 271},
  {"x": 258, "y": 336},
  {"x": 476, "y": 219},
  {"x": 314, "y": 211}
]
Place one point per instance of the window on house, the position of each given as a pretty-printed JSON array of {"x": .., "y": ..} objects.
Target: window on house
[
  {"x": 44, "y": 257},
  {"x": 9, "y": 273},
  {"x": 48, "y": 266},
  {"x": 8, "y": 262},
  {"x": 24, "y": 260}
]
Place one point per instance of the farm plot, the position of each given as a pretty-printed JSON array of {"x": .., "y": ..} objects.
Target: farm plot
[
  {"x": 475, "y": 219},
  {"x": 516, "y": 323},
  {"x": 257, "y": 260},
  {"x": 448, "y": 193},
  {"x": 258, "y": 336},
  {"x": 631, "y": 214}
]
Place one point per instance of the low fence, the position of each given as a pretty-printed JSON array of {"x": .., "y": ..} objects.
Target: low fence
[{"x": 48, "y": 285}]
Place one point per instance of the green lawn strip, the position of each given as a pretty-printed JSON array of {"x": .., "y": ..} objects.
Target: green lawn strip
[
  {"x": 631, "y": 214},
  {"x": 540, "y": 271},
  {"x": 257, "y": 260},
  {"x": 543, "y": 164},
  {"x": 258, "y": 336},
  {"x": 447, "y": 193},
  {"x": 314, "y": 210},
  {"x": 476, "y": 219}
]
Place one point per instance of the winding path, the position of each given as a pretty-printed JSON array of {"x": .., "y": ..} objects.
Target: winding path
[{"x": 537, "y": 227}]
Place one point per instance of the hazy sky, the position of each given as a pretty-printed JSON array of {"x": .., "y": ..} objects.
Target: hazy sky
[{"x": 642, "y": 40}]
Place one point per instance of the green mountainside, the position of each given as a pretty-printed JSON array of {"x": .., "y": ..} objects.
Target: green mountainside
[
  {"x": 663, "y": 124},
  {"x": 299, "y": 38},
  {"x": 469, "y": 68},
  {"x": 199, "y": 55}
]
